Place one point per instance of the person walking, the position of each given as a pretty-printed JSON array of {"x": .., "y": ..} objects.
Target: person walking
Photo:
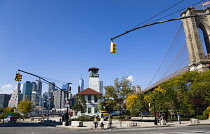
[
  {"x": 96, "y": 122},
  {"x": 102, "y": 122},
  {"x": 109, "y": 122},
  {"x": 178, "y": 118}
]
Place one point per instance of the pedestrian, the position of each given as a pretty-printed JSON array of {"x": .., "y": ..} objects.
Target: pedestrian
[
  {"x": 163, "y": 122},
  {"x": 95, "y": 122},
  {"x": 178, "y": 117},
  {"x": 63, "y": 118},
  {"x": 102, "y": 122},
  {"x": 109, "y": 122}
]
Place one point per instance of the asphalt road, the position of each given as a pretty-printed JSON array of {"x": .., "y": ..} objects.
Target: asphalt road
[{"x": 38, "y": 128}]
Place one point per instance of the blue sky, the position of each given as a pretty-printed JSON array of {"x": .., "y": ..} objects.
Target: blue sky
[{"x": 62, "y": 39}]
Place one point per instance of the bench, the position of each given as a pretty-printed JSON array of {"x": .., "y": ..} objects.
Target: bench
[
  {"x": 76, "y": 123},
  {"x": 194, "y": 121},
  {"x": 38, "y": 118},
  {"x": 131, "y": 124}
]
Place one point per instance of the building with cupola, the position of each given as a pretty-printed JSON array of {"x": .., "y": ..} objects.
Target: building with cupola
[{"x": 93, "y": 92}]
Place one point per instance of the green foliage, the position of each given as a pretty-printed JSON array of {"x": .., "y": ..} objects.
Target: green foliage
[
  {"x": 83, "y": 118},
  {"x": 188, "y": 93},
  {"x": 115, "y": 95},
  {"x": 80, "y": 104},
  {"x": 135, "y": 103},
  {"x": 201, "y": 117},
  {"x": 25, "y": 106}
]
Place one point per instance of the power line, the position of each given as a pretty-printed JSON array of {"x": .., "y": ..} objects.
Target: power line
[
  {"x": 159, "y": 13},
  {"x": 165, "y": 56},
  {"x": 154, "y": 23},
  {"x": 185, "y": 17}
]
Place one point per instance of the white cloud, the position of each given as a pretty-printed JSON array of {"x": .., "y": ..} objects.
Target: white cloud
[
  {"x": 7, "y": 89},
  {"x": 130, "y": 78}
]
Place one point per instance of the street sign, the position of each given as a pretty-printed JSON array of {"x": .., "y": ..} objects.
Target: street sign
[{"x": 67, "y": 105}]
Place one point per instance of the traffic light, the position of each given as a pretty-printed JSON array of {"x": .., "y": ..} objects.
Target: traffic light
[
  {"x": 18, "y": 77},
  {"x": 113, "y": 47}
]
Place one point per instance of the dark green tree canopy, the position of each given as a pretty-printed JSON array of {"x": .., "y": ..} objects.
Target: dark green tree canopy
[{"x": 80, "y": 104}]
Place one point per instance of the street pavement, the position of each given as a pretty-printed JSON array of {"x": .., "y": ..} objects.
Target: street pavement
[{"x": 116, "y": 124}]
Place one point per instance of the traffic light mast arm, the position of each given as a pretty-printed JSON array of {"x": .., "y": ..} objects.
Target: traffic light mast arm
[
  {"x": 185, "y": 17},
  {"x": 38, "y": 77}
]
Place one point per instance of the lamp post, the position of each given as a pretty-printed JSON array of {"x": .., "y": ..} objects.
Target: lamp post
[
  {"x": 67, "y": 102},
  {"x": 155, "y": 121},
  {"x": 119, "y": 98}
]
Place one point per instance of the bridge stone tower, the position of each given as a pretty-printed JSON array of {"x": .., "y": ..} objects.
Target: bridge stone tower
[{"x": 197, "y": 59}]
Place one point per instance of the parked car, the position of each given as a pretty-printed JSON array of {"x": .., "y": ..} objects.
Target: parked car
[
  {"x": 145, "y": 114},
  {"x": 103, "y": 113},
  {"x": 115, "y": 113},
  {"x": 10, "y": 118}
]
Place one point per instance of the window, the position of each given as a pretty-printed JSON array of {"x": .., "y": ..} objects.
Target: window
[
  {"x": 95, "y": 109},
  {"x": 89, "y": 98},
  {"x": 89, "y": 110},
  {"x": 95, "y": 98}
]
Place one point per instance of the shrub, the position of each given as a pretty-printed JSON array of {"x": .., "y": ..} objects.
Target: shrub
[
  {"x": 83, "y": 118},
  {"x": 201, "y": 117}
]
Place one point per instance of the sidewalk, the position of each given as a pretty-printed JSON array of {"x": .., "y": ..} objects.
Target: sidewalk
[{"x": 125, "y": 124}]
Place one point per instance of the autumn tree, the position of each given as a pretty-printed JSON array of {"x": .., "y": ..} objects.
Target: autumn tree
[
  {"x": 25, "y": 106},
  {"x": 136, "y": 104}
]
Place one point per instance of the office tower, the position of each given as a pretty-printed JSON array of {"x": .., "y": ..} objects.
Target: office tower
[
  {"x": 34, "y": 98},
  {"x": 136, "y": 88},
  {"x": 27, "y": 90},
  {"x": 39, "y": 87},
  {"x": 59, "y": 99},
  {"x": 51, "y": 88},
  {"x": 16, "y": 97},
  {"x": 4, "y": 99},
  {"x": 101, "y": 87},
  {"x": 81, "y": 84}
]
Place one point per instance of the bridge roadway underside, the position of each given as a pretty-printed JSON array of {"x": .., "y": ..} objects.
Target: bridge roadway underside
[{"x": 155, "y": 85}]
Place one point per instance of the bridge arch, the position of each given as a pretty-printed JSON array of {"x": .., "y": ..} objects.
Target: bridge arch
[{"x": 198, "y": 61}]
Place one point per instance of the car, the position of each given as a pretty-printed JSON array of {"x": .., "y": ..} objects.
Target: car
[
  {"x": 103, "y": 113},
  {"x": 145, "y": 114},
  {"x": 115, "y": 113},
  {"x": 10, "y": 118}
]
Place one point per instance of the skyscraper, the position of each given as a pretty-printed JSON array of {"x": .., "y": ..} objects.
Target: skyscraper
[
  {"x": 81, "y": 84},
  {"x": 27, "y": 90},
  {"x": 4, "y": 99},
  {"x": 59, "y": 99},
  {"x": 39, "y": 87},
  {"x": 34, "y": 94},
  {"x": 16, "y": 97},
  {"x": 51, "y": 88}
]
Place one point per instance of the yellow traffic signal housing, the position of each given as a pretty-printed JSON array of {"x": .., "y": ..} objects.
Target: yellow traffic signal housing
[
  {"x": 113, "y": 47},
  {"x": 18, "y": 77}
]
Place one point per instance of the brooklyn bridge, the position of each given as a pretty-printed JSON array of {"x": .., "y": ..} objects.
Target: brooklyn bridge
[{"x": 197, "y": 43}]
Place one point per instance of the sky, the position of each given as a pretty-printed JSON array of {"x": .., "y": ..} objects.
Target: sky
[{"x": 61, "y": 39}]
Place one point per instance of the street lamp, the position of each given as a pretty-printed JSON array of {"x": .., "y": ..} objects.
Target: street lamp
[
  {"x": 120, "y": 98},
  {"x": 155, "y": 121},
  {"x": 67, "y": 102}
]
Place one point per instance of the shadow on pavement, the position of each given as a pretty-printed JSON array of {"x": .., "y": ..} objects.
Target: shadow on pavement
[{"x": 23, "y": 124}]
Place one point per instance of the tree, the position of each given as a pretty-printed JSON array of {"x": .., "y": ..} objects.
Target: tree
[
  {"x": 131, "y": 104},
  {"x": 80, "y": 104},
  {"x": 115, "y": 95},
  {"x": 136, "y": 103},
  {"x": 25, "y": 106}
]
